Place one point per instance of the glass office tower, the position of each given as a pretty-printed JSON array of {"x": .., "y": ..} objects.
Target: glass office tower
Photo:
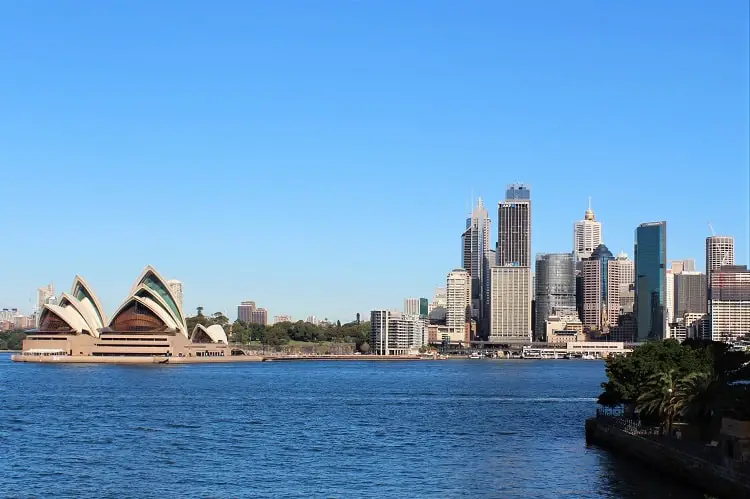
[{"x": 651, "y": 280}]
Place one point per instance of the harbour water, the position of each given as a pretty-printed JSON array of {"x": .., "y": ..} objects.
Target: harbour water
[{"x": 473, "y": 428}]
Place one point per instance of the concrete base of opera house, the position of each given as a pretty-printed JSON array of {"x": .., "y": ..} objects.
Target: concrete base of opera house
[{"x": 87, "y": 359}]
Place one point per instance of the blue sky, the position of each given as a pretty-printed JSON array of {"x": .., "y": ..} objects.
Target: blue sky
[{"x": 319, "y": 157}]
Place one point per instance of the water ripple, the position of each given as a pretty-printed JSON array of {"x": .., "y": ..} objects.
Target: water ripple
[{"x": 328, "y": 429}]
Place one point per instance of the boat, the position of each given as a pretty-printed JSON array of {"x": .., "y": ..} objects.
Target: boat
[
  {"x": 588, "y": 356},
  {"x": 475, "y": 355}
]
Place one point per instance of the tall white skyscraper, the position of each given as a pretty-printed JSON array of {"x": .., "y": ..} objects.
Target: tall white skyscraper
[
  {"x": 587, "y": 235},
  {"x": 458, "y": 306},
  {"x": 475, "y": 257}
]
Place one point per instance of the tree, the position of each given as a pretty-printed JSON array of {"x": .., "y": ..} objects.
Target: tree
[
  {"x": 658, "y": 397},
  {"x": 627, "y": 375},
  {"x": 219, "y": 318},
  {"x": 697, "y": 397}
]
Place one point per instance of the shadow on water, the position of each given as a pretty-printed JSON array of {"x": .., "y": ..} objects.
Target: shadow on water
[{"x": 628, "y": 478}]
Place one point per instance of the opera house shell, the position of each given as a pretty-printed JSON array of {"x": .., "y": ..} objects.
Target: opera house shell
[{"x": 150, "y": 323}]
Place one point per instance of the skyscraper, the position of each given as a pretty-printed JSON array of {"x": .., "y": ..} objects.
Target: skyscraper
[
  {"x": 514, "y": 227},
  {"x": 245, "y": 311},
  {"x": 458, "y": 306},
  {"x": 411, "y": 306},
  {"x": 510, "y": 305},
  {"x": 651, "y": 280},
  {"x": 596, "y": 303},
  {"x": 689, "y": 293},
  {"x": 424, "y": 308},
  {"x": 729, "y": 303},
  {"x": 475, "y": 258},
  {"x": 719, "y": 252},
  {"x": 587, "y": 235},
  {"x": 555, "y": 288},
  {"x": 510, "y": 280}
]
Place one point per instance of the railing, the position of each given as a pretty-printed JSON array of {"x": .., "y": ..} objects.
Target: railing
[{"x": 657, "y": 434}]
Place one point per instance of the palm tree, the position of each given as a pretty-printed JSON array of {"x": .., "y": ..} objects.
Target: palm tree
[{"x": 658, "y": 397}]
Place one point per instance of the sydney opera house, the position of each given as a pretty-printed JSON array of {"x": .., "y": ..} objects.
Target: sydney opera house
[{"x": 149, "y": 325}]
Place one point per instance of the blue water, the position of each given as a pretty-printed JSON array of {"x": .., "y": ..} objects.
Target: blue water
[{"x": 502, "y": 429}]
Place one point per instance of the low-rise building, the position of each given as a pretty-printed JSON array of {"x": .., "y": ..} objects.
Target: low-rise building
[{"x": 563, "y": 329}]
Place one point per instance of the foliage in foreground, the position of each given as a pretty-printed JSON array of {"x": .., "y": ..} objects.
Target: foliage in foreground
[
  {"x": 695, "y": 382},
  {"x": 11, "y": 340}
]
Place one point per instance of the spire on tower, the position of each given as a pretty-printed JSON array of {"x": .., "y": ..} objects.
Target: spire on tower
[{"x": 589, "y": 213}]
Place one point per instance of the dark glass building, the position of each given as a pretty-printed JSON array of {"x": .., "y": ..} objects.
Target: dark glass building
[
  {"x": 651, "y": 280},
  {"x": 555, "y": 288}
]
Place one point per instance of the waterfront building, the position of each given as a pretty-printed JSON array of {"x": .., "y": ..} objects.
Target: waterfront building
[
  {"x": 554, "y": 289},
  {"x": 475, "y": 257},
  {"x": 587, "y": 235},
  {"x": 651, "y": 280},
  {"x": 563, "y": 328},
  {"x": 277, "y": 319},
  {"x": 510, "y": 304},
  {"x": 458, "y": 300},
  {"x": 176, "y": 287},
  {"x": 729, "y": 303},
  {"x": 396, "y": 333},
  {"x": 149, "y": 322}
]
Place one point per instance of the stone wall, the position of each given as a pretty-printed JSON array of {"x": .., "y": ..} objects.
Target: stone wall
[{"x": 711, "y": 478}]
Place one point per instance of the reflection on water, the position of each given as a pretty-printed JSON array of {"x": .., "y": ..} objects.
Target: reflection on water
[{"x": 424, "y": 429}]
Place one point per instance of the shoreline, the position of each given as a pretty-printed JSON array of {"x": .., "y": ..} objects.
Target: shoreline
[{"x": 707, "y": 476}]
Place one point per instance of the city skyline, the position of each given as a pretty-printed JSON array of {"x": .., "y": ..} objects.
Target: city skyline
[{"x": 500, "y": 93}]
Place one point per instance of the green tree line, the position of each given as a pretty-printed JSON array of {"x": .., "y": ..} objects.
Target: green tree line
[
  {"x": 695, "y": 382},
  {"x": 284, "y": 332},
  {"x": 11, "y": 340}
]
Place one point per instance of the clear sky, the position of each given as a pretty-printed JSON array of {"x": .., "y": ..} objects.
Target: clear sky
[{"x": 319, "y": 156}]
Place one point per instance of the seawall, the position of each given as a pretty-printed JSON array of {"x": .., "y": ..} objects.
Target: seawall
[
  {"x": 707, "y": 476},
  {"x": 88, "y": 359}
]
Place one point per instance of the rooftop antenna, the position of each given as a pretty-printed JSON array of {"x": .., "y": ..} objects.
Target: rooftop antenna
[
  {"x": 589, "y": 203},
  {"x": 711, "y": 227}
]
